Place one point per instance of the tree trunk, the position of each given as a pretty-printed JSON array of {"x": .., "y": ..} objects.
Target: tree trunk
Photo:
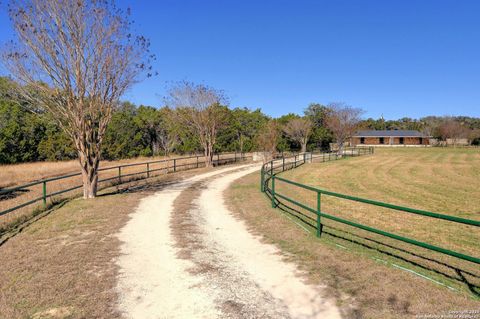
[
  {"x": 241, "y": 144},
  {"x": 89, "y": 176},
  {"x": 208, "y": 152},
  {"x": 340, "y": 148},
  {"x": 304, "y": 147},
  {"x": 89, "y": 158},
  {"x": 155, "y": 148}
]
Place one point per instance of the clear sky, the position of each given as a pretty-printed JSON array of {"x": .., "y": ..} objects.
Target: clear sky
[{"x": 396, "y": 58}]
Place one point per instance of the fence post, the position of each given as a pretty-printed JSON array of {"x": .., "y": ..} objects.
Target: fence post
[
  {"x": 45, "y": 194},
  {"x": 148, "y": 170},
  {"x": 271, "y": 168},
  {"x": 319, "y": 224},
  {"x": 119, "y": 174},
  {"x": 283, "y": 164},
  {"x": 295, "y": 162},
  {"x": 304, "y": 159},
  {"x": 197, "y": 161},
  {"x": 235, "y": 156},
  {"x": 218, "y": 159},
  {"x": 273, "y": 191},
  {"x": 174, "y": 165},
  {"x": 262, "y": 180}
]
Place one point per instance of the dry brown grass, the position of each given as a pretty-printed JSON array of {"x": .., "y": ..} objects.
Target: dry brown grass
[
  {"x": 63, "y": 265},
  {"x": 65, "y": 261},
  {"x": 17, "y": 174},
  {"x": 439, "y": 180},
  {"x": 362, "y": 273},
  {"x": 14, "y": 175}
]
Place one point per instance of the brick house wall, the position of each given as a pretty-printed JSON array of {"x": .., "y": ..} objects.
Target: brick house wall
[{"x": 391, "y": 141}]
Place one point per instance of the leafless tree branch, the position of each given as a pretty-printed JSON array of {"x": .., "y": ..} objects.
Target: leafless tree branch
[
  {"x": 199, "y": 108},
  {"x": 75, "y": 59}
]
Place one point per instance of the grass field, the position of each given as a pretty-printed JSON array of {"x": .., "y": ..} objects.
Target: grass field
[
  {"x": 382, "y": 277},
  {"x": 17, "y": 174},
  {"x": 63, "y": 264},
  {"x": 14, "y": 175},
  {"x": 438, "y": 180}
]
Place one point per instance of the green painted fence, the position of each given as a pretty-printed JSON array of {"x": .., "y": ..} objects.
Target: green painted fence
[
  {"x": 269, "y": 179},
  {"x": 170, "y": 166}
]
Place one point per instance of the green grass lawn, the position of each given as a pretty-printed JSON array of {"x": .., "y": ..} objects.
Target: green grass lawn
[
  {"x": 384, "y": 276},
  {"x": 439, "y": 180}
]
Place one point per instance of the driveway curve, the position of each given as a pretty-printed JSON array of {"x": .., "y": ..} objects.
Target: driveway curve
[{"x": 184, "y": 255}]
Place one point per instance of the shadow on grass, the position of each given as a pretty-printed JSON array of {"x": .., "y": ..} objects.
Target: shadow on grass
[
  {"x": 13, "y": 194},
  {"x": 110, "y": 186},
  {"x": 20, "y": 224},
  {"x": 459, "y": 275},
  {"x": 154, "y": 186},
  {"x": 169, "y": 180}
]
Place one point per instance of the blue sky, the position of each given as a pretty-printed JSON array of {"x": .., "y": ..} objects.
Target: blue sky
[{"x": 396, "y": 58}]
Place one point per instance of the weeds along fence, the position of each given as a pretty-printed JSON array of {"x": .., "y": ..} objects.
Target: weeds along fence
[
  {"x": 17, "y": 202},
  {"x": 270, "y": 180}
]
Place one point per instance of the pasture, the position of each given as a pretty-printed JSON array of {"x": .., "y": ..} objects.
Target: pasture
[
  {"x": 64, "y": 181},
  {"x": 63, "y": 264},
  {"x": 438, "y": 180},
  {"x": 386, "y": 278}
]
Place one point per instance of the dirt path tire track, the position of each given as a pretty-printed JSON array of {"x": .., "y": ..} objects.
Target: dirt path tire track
[{"x": 186, "y": 256}]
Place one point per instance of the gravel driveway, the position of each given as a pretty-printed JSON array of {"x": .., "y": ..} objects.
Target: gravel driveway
[{"x": 185, "y": 256}]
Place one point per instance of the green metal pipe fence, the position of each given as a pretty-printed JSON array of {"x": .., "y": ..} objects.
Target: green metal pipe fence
[
  {"x": 170, "y": 166},
  {"x": 269, "y": 179}
]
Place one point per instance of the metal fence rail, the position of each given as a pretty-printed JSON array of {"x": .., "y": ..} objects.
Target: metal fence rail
[
  {"x": 269, "y": 179},
  {"x": 170, "y": 166}
]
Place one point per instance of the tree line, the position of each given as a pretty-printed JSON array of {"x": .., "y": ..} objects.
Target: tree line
[
  {"x": 28, "y": 134},
  {"x": 72, "y": 61}
]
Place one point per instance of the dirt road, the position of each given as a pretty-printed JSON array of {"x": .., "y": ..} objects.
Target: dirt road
[{"x": 186, "y": 256}]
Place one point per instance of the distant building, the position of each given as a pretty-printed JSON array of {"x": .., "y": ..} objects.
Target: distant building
[
  {"x": 458, "y": 141},
  {"x": 390, "y": 138}
]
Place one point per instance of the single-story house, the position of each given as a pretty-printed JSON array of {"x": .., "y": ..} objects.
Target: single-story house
[{"x": 390, "y": 138}]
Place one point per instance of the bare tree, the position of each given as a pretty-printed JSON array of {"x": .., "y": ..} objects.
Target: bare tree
[
  {"x": 78, "y": 57},
  {"x": 452, "y": 129},
  {"x": 168, "y": 136},
  {"x": 200, "y": 108},
  {"x": 167, "y": 141},
  {"x": 429, "y": 124},
  {"x": 268, "y": 138},
  {"x": 299, "y": 130},
  {"x": 343, "y": 120}
]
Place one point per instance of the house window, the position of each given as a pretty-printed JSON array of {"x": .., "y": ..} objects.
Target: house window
[
  {"x": 382, "y": 140},
  {"x": 362, "y": 140},
  {"x": 421, "y": 140},
  {"x": 402, "y": 141}
]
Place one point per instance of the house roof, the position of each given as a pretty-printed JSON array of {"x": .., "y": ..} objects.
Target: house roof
[{"x": 389, "y": 133}]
